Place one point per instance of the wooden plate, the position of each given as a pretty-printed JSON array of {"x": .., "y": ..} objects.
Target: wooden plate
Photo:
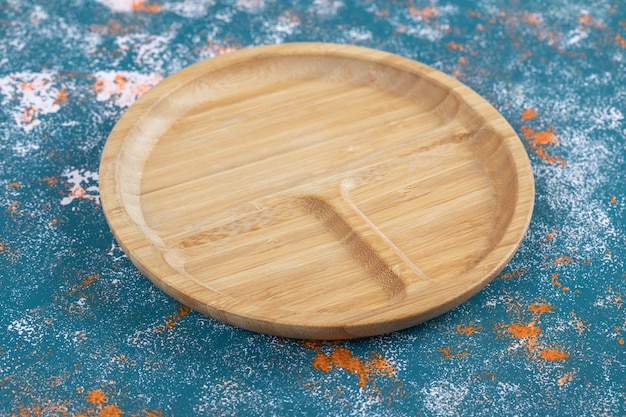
[{"x": 316, "y": 190}]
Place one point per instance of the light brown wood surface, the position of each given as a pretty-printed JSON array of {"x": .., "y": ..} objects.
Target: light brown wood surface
[{"x": 316, "y": 190}]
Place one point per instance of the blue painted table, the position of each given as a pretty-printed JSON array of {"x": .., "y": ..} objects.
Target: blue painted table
[{"x": 82, "y": 333}]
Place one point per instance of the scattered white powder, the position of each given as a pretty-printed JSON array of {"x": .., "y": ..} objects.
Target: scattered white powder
[
  {"x": 444, "y": 398},
  {"x": 80, "y": 186},
  {"x": 29, "y": 95},
  {"x": 122, "y": 88}
]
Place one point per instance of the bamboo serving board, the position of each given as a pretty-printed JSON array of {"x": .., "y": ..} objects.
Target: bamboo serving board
[{"x": 316, "y": 190}]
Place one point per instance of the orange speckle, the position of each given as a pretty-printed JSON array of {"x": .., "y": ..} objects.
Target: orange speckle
[
  {"x": 172, "y": 320},
  {"x": 620, "y": 39},
  {"x": 553, "y": 354},
  {"x": 96, "y": 396},
  {"x": 99, "y": 85},
  {"x": 425, "y": 13},
  {"x": 87, "y": 280},
  {"x": 61, "y": 96},
  {"x": 568, "y": 377},
  {"x": 140, "y": 5},
  {"x": 322, "y": 362},
  {"x": 531, "y": 18},
  {"x": 541, "y": 308},
  {"x": 342, "y": 357},
  {"x": 77, "y": 192},
  {"x": 14, "y": 184},
  {"x": 469, "y": 329},
  {"x": 585, "y": 19},
  {"x": 541, "y": 153},
  {"x": 523, "y": 330},
  {"x": 30, "y": 115},
  {"x": 537, "y": 140},
  {"x": 382, "y": 13},
  {"x": 462, "y": 60},
  {"x": 446, "y": 351},
  {"x": 455, "y": 46},
  {"x": 545, "y": 137},
  {"x": 381, "y": 365},
  {"x": 556, "y": 282},
  {"x": 613, "y": 199},
  {"x": 514, "y": 273},
  {"x": 120, "y": 81},
  {"x": 529, "y": 114},
  {"x": 50, "y": 180},
  {"x": 527, "y": 132},
  {"x": 111, "y": 411},
  {"x": 154, "y": 413},
  {"x": 563, "y": 260}
]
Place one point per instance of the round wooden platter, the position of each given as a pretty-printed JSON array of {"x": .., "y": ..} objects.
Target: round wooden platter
[{"x": 316, "y": 191}]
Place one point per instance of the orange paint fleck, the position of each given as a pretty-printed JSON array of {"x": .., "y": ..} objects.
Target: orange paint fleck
[
  {"x": 120, "y": 81},
  {"x": 61, "y": 97},
  {"x": 446, "y": 351},
  {"x": 425, "y": 13},
  {"x": 110, "y": 411},
  {"x": 531, "y": 18},
  {"x": 620, "y": 39},
  {"x": 455, "y": 46},
  {"x": 553, "y": 354},
  {"x": 343, "y": 358},
  {"x": 545, "y": 137},
  {"x": 462, "y": 60},
  {"x": 469, "y": 329},
  {"x": 620, "y": 340},
  {"x": 154, "y": 413},
  {"x": 541, "y": 308},
  {"x": 563, "y": 260},
  {"x": 172, "y": 320},
  {"x": 49, "y": 180},
  {"x": 538, "y": 140},
  {"x": 568, "y": 377},
  {"x": 14, "y": 184},
  {"x": 140, "y": 5},
  {"x": 322, "y": 362},
  {"x": 524, "y": 330},
  {"x": 87, "y": 280},
  {"x": 96, "y": 396},
  {"x": 30, "y": 115},
  {"x": 514, "y": 273},
  {"x": 585, "y": 19},
  {"x": 99, "y": 85},
  {"x": 529, "y": 114},
  {"x": 613, "y": 199}
]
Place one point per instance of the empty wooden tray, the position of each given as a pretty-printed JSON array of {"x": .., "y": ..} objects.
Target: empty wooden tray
[{"x": 316, "y": 190}]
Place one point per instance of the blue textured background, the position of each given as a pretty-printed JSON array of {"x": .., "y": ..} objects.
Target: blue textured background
[{"x": 82, "y": 333}]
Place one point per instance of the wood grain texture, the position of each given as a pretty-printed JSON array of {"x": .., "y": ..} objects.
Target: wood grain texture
[{"x": 316, "y": 190}]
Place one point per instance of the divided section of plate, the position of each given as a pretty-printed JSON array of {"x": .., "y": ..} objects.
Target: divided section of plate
[{"x": 316, "y": 191}]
